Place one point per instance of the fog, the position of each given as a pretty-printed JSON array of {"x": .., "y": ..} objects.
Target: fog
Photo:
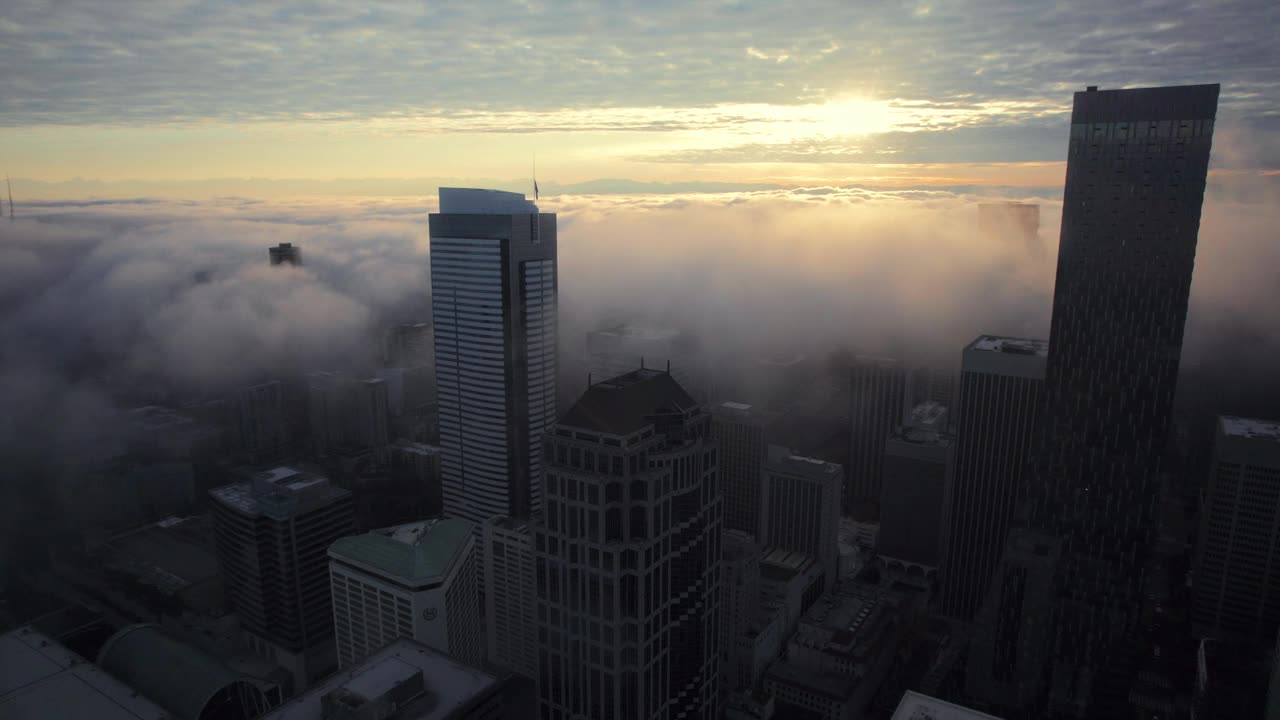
[{"x": 122, "y": 303}]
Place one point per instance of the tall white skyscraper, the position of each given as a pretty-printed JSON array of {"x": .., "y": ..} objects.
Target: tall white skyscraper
[{"x": 493, "y": 302}]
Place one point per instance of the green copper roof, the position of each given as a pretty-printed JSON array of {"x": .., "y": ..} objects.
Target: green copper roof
[
  {"x": 413, "y": 552},
  {"x": 178, "y": 677}
]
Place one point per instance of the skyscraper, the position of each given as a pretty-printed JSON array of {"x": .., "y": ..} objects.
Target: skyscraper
[
  {"x": 347, "y": 415},
  {"x": 1010, "y": 222},
  {"x": 510, "y": 631},
  {"x": 739, "y": 604},
  {"x": 419, "y": 580},
  {"x": 877, "y": 388},
  {"x": 271, "y": 536},
  {"x": 916, "y": 460},
  {"x": 1136, "y": 169},
  {"x": 1237, "y": 579},
  {"x": 493, "y": 302},
  {"x": 1000, "y": 381},
  {"x": 628, "y": 555},
  {"x": 739, "y": 432},
  {"x": 262, "y": 422},
  {"x": 800, "y": 511}
]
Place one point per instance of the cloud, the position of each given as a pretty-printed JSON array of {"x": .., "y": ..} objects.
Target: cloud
[
  {"x": 110, "y": 305},
  {"x": 80, "y": 62}
]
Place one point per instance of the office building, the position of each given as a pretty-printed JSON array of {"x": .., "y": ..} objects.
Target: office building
[
  {"x": 877, "y": 389},
  {"x": 916, "y": 459},
  {"x": 1237, "y": 578},
  {"x": 418, "y": 580},
  {"x": 1000, "y": 381},
  {"x": 618, "y": 349},
  {"x": 493, "y": 304},
  {"x": 272, "y": 534},
  {"x": 801, "y": 508},
  {"x": 405, "y": 680},
  {"x": 739, "y": 601},
  {"x": 628, "y": 556},
  {"x": 285, "y": 254},
  {"x": 348, "y": 416},
  {"x": 840, "y": 653},
  {"x": 409, "y": 345},
  {"x": 509, "y": 597},
  {"x": 1012, "y": 630},
  {"x": 1136, "y": 169},
  {"x": 929, "y": 384},
  {"x": 739, "y": 430},
  {"x": 789, "y": 584},
  {"x": 262, "y": 422},
  {"x": 917, "y": 706}
]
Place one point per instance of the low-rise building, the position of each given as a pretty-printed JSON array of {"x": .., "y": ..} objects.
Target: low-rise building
[
  {"x": 403, "y": 681},
  {"x": 417, "y": 580},
  {"x": 840, "y": 653}
]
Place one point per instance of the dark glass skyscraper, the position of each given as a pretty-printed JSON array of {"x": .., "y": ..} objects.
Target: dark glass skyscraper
[
  {"x": 627, "y": 556},
  {"x": 1136, "y": 170},
  {"x": 877, "y": 389}
]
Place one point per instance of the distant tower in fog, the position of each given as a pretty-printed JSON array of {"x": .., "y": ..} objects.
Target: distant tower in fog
[
  {"x": 739, "y": 432},
  {"x": 1237, "y": 580},
  {"x": 1000, "y": 381},
  {"x": 800, "y": 511},
  {"x": 877, "y": 389},
  {"x": 619, "y": 349},
  {"x": 285, "y": 254},
  {"x": 493, "y": 304},
  {"x": 917, "y": 457},
  {"x": 1010, "y": 222}
]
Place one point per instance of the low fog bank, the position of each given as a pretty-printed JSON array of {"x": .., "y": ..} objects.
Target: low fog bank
[{"x": 118, "y": 304}]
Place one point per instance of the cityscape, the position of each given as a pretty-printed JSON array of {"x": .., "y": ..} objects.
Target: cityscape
[{"x": 742, "y": 443}]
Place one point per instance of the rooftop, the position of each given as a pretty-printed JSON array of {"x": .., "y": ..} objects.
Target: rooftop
[
  {"x": 625, "y": 404},
  {"x": 507, "y": 522},
  {"x": 638, "y": 332},
  {"x": 921, "y": 436},
  {"x": 929, "y": 414},
  {"x": 474, "y": 201},
  {"x": 1011, "y": 345},
  {"x": 277, "y": 492},
  {"x": 1250, "y": 428},
  {"x": 783, "y": 458},
  {"x": 40, "y": 678},
  {"x": 154, "y": 417},
  {"x": 915, "y": 706},
  {"x": 170, "y": 555},
  {"x": 418, "y": 551},
  {"x": 447, "y": 685}
]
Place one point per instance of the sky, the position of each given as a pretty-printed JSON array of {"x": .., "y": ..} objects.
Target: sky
[{"x": 201, "y": 98}]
